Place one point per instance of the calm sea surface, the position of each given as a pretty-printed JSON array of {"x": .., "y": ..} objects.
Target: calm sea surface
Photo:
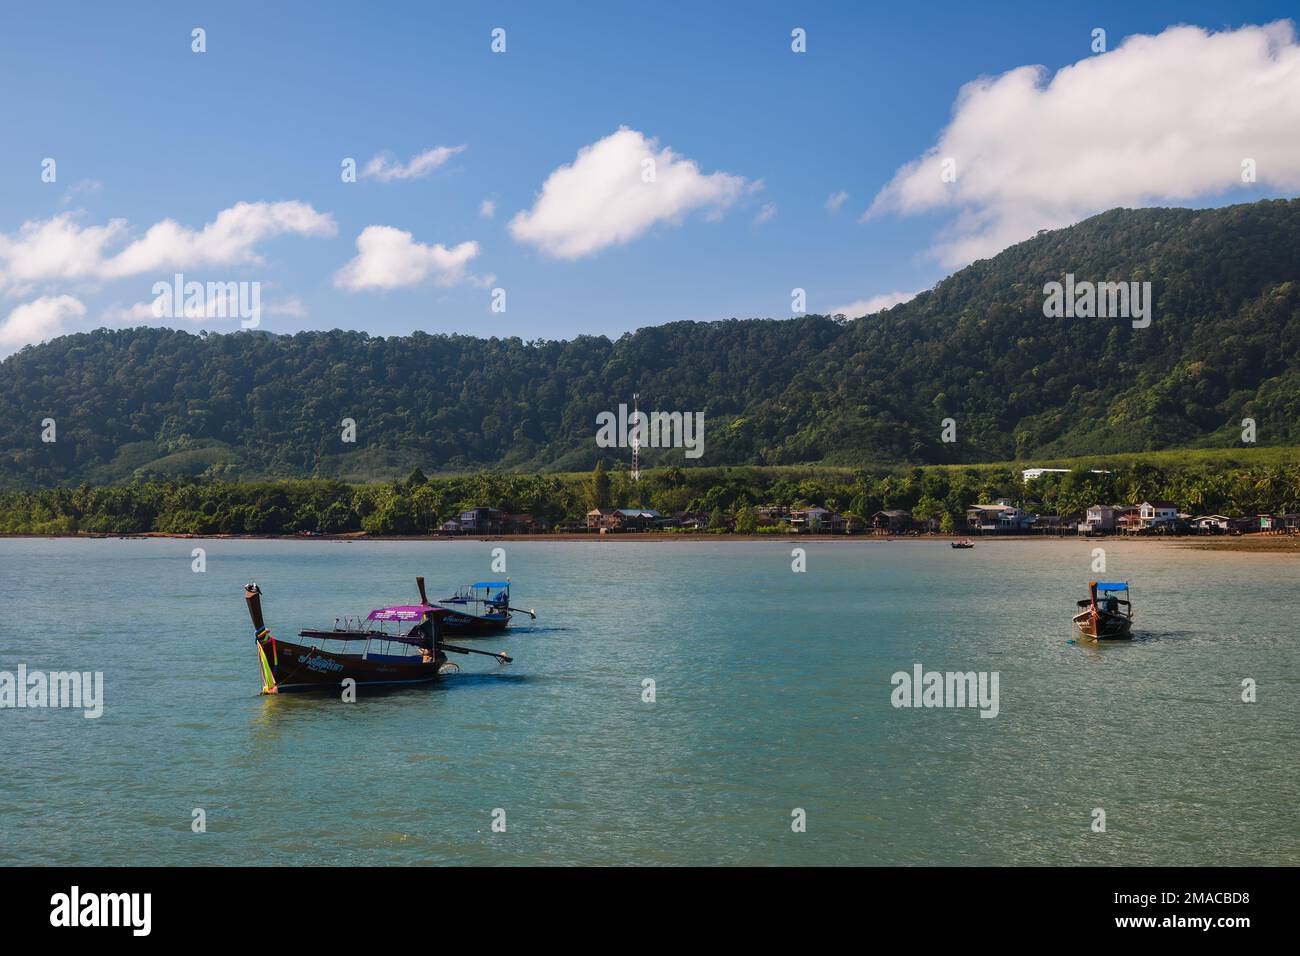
[{"x": 773, "y": 693}]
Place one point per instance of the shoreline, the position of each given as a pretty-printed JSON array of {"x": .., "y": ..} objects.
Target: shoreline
[{"x": 1245, "y": 544}]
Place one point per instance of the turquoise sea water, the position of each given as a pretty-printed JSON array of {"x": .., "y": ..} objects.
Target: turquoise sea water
[{"x": 772, "y": 693}]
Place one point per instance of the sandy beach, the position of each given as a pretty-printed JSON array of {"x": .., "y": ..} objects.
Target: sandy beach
[{"x": 1243, "y": 544}]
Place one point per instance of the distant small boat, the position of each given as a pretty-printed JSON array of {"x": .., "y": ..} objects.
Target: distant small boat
[
  {"x": 1103, "y": 616},
  {"x": 963, "y": 544}
]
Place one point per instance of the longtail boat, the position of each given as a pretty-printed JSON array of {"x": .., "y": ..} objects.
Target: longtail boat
[
  {"x": 479, "y": 609},
  {"x": 393, "y": 645},
  {"x": 1103, "y": 616}
]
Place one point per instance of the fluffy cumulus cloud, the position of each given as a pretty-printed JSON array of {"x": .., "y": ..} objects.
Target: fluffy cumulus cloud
[
  {"x": 62, "y": 248},
  {"x": 390, "y": 258},
  {"x": 36, "y": 321},
  {"x": 230, "y": 239},
  {"x": 1165, "y": 118},
  {"x": 872, "y": 305},
  {"x": 614, "y": 191},
  {"x": 386, "y": 169},
  {"x": 58, "y": 248}
]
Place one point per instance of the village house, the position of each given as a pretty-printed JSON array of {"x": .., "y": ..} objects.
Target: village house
[
  {"x": 623, "y": 519},
  {"x": 1157, "y": 515},
  {"x": 1212, "y": 524},
  {"x": 1055, "y": 524},
  {"x": 816, "y": 519},
  {"x": 1249, "y": 524},
  {"x": 892, "y": 521},
  {"x": 689, "y": 520},
  {"x": 1098, "y": 519},
  {"x": 481, "y": 520},
  {"x": 522, "y": 524},
  {"x": 638, "y": 519},
  {"x": 1128, "y": 519},
  {"x": 1001, "y": 516}
]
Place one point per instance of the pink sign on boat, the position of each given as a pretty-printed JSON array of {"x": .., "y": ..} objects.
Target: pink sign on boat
[{"x": 404, "y": 612}]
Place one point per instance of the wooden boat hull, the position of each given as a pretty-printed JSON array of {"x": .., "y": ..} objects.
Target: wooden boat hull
[
  {"x": 1104, "y": 626},
  {"x": 472, "y": 625},
  {"x": 293, "y": 667}
]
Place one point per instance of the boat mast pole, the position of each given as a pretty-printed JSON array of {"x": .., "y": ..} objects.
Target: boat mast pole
[{"x": 432, "y": 623}]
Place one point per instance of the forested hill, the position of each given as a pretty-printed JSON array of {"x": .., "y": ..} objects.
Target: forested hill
[{"x": 1224, "y": 344}]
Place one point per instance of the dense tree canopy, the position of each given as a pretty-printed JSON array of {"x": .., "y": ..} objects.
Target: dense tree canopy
[
  {"x": 148, "y": 403},
  {"x": 937, "y": 494}
]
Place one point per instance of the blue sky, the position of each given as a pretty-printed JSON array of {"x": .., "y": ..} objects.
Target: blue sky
[{"x": 144, "y": 130}]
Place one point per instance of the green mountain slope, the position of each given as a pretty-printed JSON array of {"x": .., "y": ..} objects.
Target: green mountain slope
[{"x": 1222, "y": 346}]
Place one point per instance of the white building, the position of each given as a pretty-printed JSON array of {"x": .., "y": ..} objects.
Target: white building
[
  {"x": 1029, "y": 474},
  {"x": 1155, "y": 513},
  {"x": 1002, "y": 515}
]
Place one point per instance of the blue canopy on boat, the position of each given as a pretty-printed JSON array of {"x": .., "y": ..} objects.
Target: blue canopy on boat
[
  {"x": 490, "y": 584},
  {"x": 1112, "y": 585}
]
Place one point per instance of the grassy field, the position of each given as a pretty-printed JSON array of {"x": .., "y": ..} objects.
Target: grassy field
[
  {"x": 1177, "y": 459},
  {"x": 1174, "y": 458},
  {"x": 377, "y": 465}
]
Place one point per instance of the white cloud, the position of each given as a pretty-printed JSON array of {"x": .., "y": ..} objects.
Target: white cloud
[
  {"x": 835, "y": 201},
  {"x": 767, "y": 211},
  {"x": 291, "y": 307},
  {"x": 61, "y": 248},
  {"x": 83, "y": 186},
  {"x": 230, "y": 239},
  {"x": 221, "y": 306},
  {"x": 1166, "y": 118},
  {"x": 385, "y": 169},
  {"x": 870, "y": 306},
  {"x": 140, "y": 312},
  {"x": 41, "y": 319},
  {"x": 58, "y": 248},
  {"x": 603, "y": 198},
  {"x": 487, "y": 209},
  {"x": 224, "y": 306},
  {"x": 389, "y": 258}
]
